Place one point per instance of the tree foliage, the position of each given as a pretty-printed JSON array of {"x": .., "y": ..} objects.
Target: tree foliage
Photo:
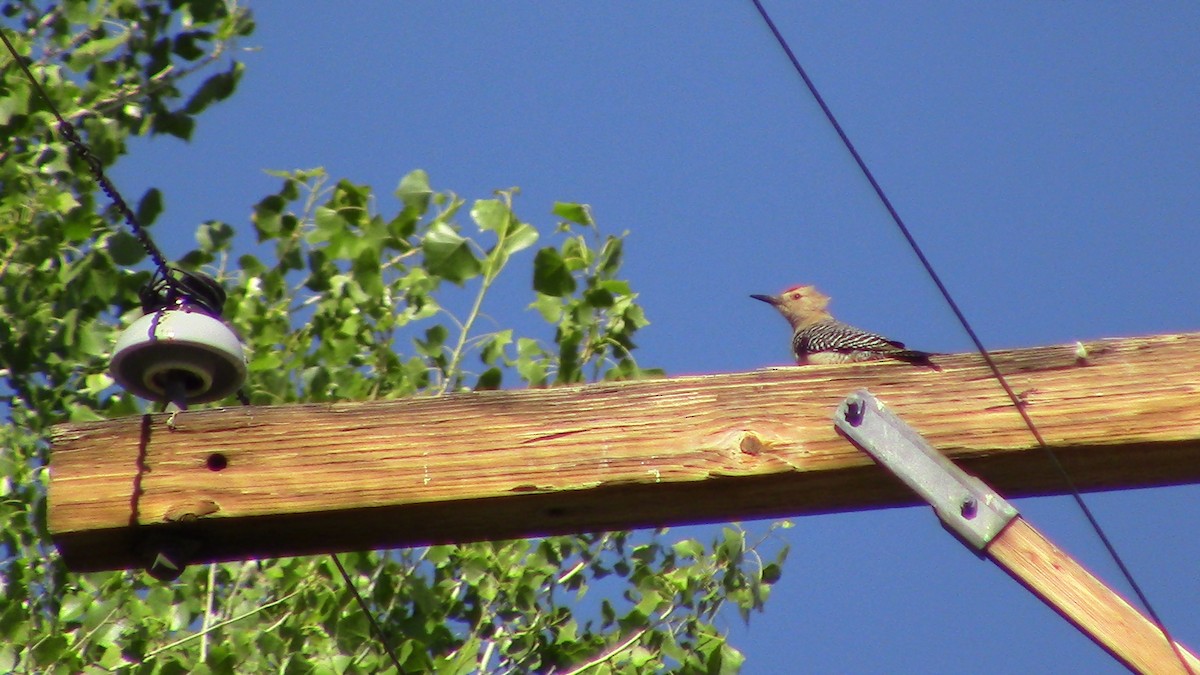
[{"x": 337, "y": 300}]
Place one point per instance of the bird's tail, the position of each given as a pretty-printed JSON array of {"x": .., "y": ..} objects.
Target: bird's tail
[{"x": 917, "y": 358}]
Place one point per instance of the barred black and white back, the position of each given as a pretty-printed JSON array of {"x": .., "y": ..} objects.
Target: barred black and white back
[{"x": 831, "y": 341}]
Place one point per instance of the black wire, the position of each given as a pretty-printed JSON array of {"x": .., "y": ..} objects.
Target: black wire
[
  {"x": 95, "y": 167},
  {"x": 362, "y": 604},
  {"x": 962, "y": 319},
  {"x": 165, "y": 285}
]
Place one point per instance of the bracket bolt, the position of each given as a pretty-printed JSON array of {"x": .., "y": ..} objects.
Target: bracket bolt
[{"x": 855, "y": 407}]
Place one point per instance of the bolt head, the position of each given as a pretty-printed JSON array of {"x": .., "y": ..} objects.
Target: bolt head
[{"x": 855, "y": 408}]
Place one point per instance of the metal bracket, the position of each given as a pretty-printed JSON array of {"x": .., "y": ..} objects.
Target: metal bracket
[{"x": 965, "y": 505}]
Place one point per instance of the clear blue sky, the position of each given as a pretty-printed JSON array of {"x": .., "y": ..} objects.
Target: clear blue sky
[{"x": 1046, "y": 155}]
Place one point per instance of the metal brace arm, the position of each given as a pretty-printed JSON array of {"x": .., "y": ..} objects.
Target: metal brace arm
[
  {"x": 988, "y": 524},
  {"x": 967, "y": 507}
]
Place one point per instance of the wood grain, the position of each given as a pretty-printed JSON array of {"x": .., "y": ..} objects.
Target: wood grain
[
  {"x": 1086, "y": 602},
  {"x": 492, "y": 465}
]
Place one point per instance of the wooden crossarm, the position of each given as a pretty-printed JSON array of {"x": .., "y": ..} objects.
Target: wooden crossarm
[{"x": 273, "y": 481}]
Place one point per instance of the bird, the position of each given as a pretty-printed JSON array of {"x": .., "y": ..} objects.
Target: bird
[{"x": 818, "y": 338}]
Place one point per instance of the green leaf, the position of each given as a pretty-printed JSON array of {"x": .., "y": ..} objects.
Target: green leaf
[
  {"x": 492, "y": 349},
  {"x": 531, "y": 364},
  {"x": 351, "y": 201},
  {"x": 448, "y": 255},
  {"x": 77, "y": 229},
  {"x": 772, "y": 573},
  {"x": 550, "y": 307},
  {"x": 550, "y": 274},
  {"x": 329, "y": 222},
  {"x": 195, "y": 259},
  {"x": 492, "y": 215},
  {"x": 610, "y": 256},
  {"x": 149, "y": 207},
  {"x": 49, "y": 650},
  {"x": 490, "y": 379},
  {"x": 179, "y": 125},
  {"x": 205, "y": 11},
  {"x": 216, "y": 88},
  {"x": 251, "y": 266},
  {"x": 402, "y": 227},
  {"x": 268, "y": 360},
  {"x": 94, "y": 50},
  {"x": 640, "y": 656},
  {"x": 414, "y": 191},
  {"x": 266, "y": 217},
  {"x": 15, "y": 100},
  {"x": 580, "y": 214},
  {"x": 688, "y": 548},
  {"x": 60, "y": 202},
  {"x": 125, "y": 249},
  {"x": 190, "y": 45},
  {"x": 439, "y": 555},
  {"x": 598, "y": 297},
  {"x": 520, "y": 237},
  {"x": 214, "y": 236},
  {"x": 433, "y": 345}
]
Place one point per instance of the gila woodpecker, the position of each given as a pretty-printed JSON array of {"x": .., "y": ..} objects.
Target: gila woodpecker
[{"x": 818, "y": 338}]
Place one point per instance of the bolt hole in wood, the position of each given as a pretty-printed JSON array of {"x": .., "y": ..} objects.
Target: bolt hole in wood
[{"x": 216, "y": 462}]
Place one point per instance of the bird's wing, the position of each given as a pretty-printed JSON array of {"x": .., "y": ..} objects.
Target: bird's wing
[{"x": 834, "y": 335}]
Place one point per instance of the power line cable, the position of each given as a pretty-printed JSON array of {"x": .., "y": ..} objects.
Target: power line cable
[
  {"x": 94, "y": 166},
  {"x": 962, "y": 319},
  {"x": 362, "y": 604}
]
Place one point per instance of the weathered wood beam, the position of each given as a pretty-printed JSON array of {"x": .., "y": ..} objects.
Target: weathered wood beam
[
  {"x": 248, "y": 482},
  {"x": 1103, "y": 616}
]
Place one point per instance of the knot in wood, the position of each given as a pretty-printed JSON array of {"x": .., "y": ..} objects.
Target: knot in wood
[{"x": 183, "y": 513}]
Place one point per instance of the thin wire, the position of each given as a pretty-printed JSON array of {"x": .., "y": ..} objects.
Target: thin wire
[
  {"x": 962, "y": 319},
  {"x": 349, "y": 583},
  {"x": 96, "y": 168},
  {"x": 362, "y": 604}
]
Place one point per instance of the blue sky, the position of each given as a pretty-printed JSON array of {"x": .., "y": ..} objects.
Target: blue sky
[{"x": 1045, "y": 155}]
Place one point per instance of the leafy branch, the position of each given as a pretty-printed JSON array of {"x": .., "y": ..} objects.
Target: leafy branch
[{"x": 338, "y": 298}]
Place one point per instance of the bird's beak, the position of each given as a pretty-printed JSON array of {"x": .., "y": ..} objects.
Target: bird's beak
[{"x": 769, "y": 299}]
